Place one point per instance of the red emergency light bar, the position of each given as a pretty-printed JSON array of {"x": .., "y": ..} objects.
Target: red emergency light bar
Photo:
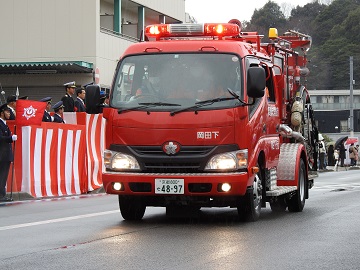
[{"x": 189, "y": 29}]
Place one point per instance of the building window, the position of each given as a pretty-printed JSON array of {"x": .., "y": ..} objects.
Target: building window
[
  {"x": 344, "y": 126},
  {"x": 336, "y": 99}
]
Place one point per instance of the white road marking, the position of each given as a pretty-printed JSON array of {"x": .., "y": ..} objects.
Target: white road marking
[{"x": 23, "y": 225}]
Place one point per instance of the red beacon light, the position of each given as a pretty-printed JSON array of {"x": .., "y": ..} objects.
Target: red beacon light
[{"x": 192, "y": 30}]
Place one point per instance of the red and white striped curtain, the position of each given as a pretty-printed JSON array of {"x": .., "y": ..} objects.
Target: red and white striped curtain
[{"x": 59, "y": 159}]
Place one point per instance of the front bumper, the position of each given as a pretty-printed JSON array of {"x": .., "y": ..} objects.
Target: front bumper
[{"x": 203, "y": 184}]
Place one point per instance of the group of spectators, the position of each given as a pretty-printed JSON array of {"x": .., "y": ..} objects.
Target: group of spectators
[
  {"x": 331, "y": 156},
  {"x": 67, "y": 103}
]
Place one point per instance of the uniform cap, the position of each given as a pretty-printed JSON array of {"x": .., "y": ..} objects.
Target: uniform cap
[
  {"x": 46, "y": 99},
  {"x": 70, "y": 85},
  {"x": 11, "y": 98},
  {"x": 58, "y": 105},
  {"x": 4, "y": 107}
]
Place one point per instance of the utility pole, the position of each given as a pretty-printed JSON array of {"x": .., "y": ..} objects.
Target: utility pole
[{"x": 351, "y": 98}]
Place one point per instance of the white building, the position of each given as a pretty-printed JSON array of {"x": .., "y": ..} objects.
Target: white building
[{"x": 46, "y": 43}]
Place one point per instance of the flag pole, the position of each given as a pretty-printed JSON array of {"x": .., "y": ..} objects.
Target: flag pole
[
  {"x": 13, "y": 163},
  {"x": 13, "y": 168}
]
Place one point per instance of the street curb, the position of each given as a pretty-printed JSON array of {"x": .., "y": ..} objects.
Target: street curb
[
  {"x": 339, "y": 168},
  {"x": 23, "y": 196}
]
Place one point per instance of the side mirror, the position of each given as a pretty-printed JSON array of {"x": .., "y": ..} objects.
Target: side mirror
[
  {"x": 256, "y": 82},
  {"x": 92, "y": 99}
]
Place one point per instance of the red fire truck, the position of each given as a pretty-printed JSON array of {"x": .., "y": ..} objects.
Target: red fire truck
[{"x": 205, "y": 115}]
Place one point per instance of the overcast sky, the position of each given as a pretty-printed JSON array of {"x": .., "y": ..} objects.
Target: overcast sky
[{"x": 225, "y": 10}]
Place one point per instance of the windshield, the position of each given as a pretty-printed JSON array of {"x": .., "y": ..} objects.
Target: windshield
[{"x": 168, "y": 82}]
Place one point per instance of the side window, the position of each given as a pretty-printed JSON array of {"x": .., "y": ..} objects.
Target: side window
[{"x": 270, "y": 91}]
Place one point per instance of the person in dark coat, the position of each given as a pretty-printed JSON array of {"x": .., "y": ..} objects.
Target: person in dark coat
[
  {"x": 11, "y": 103},
  {"x": 6, "y": 152},
  {"x": 47, "y": 117},
  {"x": 330, "y": 152},
  {"x": 68, "y": 101},
  {"x": 342, "y": 154},
  {"x": 80, "y": 100},
  {"x": 58, "y": 109}
]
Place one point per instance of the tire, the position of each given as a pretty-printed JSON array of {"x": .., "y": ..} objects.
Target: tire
[
  {"x": 249, "y": 207},
  {"x": 297, "y": 202},
  {"x": 131, "y": 208}
]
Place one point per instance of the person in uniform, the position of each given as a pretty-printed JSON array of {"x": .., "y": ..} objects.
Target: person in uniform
[
  {"x": 11, "y": 103},
  {"x": 47, "y": 117},
  {"x": 104, "y": 101},
  {"x": 80, "y": 100},
  {"x": 68, "y": 101},
  {"x": 58, "y": 109},
  {"x": 6, "y": 152}
]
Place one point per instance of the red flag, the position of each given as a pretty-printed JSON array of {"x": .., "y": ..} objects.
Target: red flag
[{"x": 29, "y": 112}]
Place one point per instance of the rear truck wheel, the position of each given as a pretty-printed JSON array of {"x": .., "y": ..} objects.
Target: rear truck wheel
[
  {"x": 297, "y": 202},
  {"x": 131, "y": 207},
  {"x": 278, "y": 205},
  {"x": 249, "y": 207}
]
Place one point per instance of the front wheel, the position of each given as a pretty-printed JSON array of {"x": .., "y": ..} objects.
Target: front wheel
[
  {"x": 297, "y": 202},
  {"x": 250, "y": 205},
  {"x": 131, "y": 207}
]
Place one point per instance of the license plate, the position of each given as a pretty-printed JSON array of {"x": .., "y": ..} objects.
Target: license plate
[{"x": 169, "y": 186}]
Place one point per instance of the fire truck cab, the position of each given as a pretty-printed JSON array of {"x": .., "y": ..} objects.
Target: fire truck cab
[{"x": 205, "y": 115}]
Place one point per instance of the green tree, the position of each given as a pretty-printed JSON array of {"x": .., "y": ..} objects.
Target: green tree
[
  {"x": 332, "y": 15},
  {"x": 301, "y": 18},
  {"x": 266, "y": 17},
  {"x": 335, "y": 45}
]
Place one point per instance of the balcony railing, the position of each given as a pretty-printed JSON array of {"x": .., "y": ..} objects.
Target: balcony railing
[
  {"x": 116, "y": 34},
  {"x": 334, "y": 106}
]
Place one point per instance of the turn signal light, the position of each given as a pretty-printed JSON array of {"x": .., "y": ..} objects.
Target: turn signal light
[{"x": 255, "y": 170}]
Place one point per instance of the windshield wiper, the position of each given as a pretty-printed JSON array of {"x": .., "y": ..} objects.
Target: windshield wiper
[
  {"x": 144, "y": 105},
  {"x": 202, "y": 104}
]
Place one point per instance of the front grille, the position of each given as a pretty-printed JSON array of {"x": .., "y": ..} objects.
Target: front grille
[
  {"x": 185, "y": 150},
  {"x": 172, "y": 167}
]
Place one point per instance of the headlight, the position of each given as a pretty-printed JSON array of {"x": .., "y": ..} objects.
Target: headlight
[
  {"x": 119, "y": 161},
  {"x": 228, "y": 161}
]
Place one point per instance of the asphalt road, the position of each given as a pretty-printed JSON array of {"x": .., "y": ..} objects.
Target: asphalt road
[{"x": 88, "y": 232}]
